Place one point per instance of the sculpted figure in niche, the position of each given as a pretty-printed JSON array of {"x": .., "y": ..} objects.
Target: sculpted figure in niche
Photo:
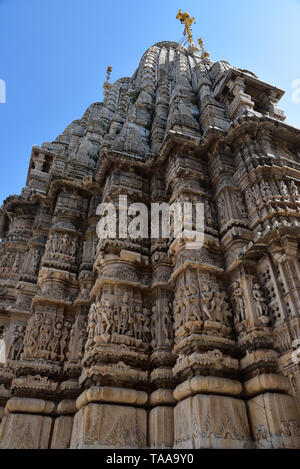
[
  {"x": 261, "y": 305},
  {"x": 35, "y": 261},
  {"x": 64, "y": 244},
  {"x": 215, "y": 306},
  {"x": 138, "y": 325},
  {"x": 239, "y": 205},
  {"x": 130, "y": 324},
  {"x": 207, "y": 296},
  {"x": 146, "y": 327},
  {"x": 249, "y": 199},
  {"x": 124, "y": 314},
  {"x": 32, "y": 336},
  {"x": 283, "y": 189},
  {"x": 16, "y": 347},
  {"x": 294, "y": 189},
  {"x": 179, "y": 309},
  {"x": 107, "y": 318},
  {"x": 16, "y": 263},
  {"x": 193, "y": 300},
  {"x": 81, "y": 342},
  {"x": 154, "y": 323},
  {"x": 92, "y": 324},
  {"x": 209, "y": 214},
  {"x": 73, "y": 247},
  {"x": 45, "y": 336},
  {"x": 64, "y": 339},
  {"x": 220, "y": 308},
  {"x": 238, "y": 299},
  {"x": 221, "y": 208},
  {"x": 265, "y": 190},
  {"x": 167, "y": 325},
  {"x": 256, "y": 195},
  {"x": 72, "y": 341},
  {"x": 54, "y": 342},
  {"x": 55, "y": 243}
]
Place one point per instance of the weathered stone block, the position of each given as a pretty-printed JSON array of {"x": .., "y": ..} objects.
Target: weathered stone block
[
  {"x": 274, "y": 421},
  {"x": 207, "y": 422},
  {"x": 109, "y": 426},
  {"x": 62, "y": 433},
  {"x": 161, "y": 427},
  {"x": 19, "y": 431}
]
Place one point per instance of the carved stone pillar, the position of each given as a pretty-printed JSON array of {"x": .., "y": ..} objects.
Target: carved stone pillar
[{"x": 27, "y": 424}]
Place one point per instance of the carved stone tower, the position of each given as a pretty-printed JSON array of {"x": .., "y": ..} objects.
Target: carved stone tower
[{"x": 136, "y": 343}]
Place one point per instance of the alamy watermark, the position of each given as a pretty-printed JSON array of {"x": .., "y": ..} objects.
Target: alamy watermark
[
  {"x": 2, "y": 91},
  {"x": 177, "y": 221},
  {"x": 296, "y": 93}
]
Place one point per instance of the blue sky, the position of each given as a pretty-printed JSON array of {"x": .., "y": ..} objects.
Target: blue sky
[{"x": 54, "y": 55}]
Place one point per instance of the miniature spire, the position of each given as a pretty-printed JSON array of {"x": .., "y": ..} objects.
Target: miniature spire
[
  {"x": 205, "y": 54},
  {"x": 107, "y": 86},
  {"x": 185, "y": 19}
]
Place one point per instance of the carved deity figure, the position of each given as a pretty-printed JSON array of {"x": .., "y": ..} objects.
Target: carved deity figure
[
  {"x": 207, "y": 296},
  {"x": 64, "y": 339},
  {"x": 35, "y": 261},
  {"x": 32, "y": 336},
  {"x": 16, "y": 347},
  {"x": 123, "y": 315},
  {"x": 222, "y": 209},
  {"x": 239, "y": 302},
  {"x": 73, "y": 247},
  {"x": 167, "y": 325},
  {"x": 294, "y": 189},
  {"x": 106, "y": 318},
  {"x": 64, "y": 244},
  {"x": 92, "y": 324},
  {"x": 260, "y": 300},
  {"x": 284, "y": 189},
  {"x": 215, "y": 305},
  {"x": 239, "y": 205},
  {"x": 54, "y": 342},
  {"x": 81, "y": 342},
  {"x": 46, "y": 333},
  {"x": 139, "y": 322},
  {"x": 146, "y": 332},
  {"x": 192, "y": 304},
  {"x": 16, "y": 264},
  {"x": 265, "y": 190},
  {"x": 55, "y": 243}
]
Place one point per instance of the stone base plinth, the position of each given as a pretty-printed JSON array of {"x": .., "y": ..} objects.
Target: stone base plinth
[
  {"x": 109, "y": 426},
  {"x": 211, "y": 422},
  {"x": 274, "y": 421},
  {"x": 161, "y": 427},
  {"x": 62, "y": 432},
  {"x": 25, "y": 431}
]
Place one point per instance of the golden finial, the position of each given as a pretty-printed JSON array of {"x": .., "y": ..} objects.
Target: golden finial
[
  {"x": 185, "y": 19},
  {"x": 107, "y": 85},
  {"x": 205, "y": 54},
  {"x": 108, "y": 72}
]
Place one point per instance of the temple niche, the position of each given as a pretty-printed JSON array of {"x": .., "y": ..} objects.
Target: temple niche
[{"x": 145, "y": 343}]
